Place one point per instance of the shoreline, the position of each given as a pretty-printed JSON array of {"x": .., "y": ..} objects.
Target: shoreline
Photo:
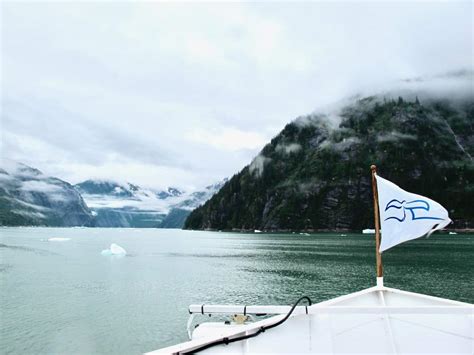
[
  {"x": 309, "y": 231},
  {"x": 247, "y": 231}
]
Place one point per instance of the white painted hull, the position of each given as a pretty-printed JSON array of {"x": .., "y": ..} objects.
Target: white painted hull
[{"x": 378, "y": 320}]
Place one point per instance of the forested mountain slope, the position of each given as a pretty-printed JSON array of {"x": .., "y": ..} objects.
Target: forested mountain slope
[{"x": 315, "y": 174}]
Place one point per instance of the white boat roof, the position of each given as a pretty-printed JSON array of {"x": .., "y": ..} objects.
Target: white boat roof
[{"x": 377, "y": 320}]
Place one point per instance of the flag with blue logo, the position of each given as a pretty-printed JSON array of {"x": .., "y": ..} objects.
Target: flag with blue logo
[{"x": 406, "y": 216}]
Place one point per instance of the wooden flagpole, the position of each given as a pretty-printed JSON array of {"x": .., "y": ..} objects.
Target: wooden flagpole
[{"x": 378, "y": 256}]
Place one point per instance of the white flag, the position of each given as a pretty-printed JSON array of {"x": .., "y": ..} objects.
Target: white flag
[{"x": 406, "y": 216}]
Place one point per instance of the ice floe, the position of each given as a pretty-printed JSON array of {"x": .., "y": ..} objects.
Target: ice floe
[
  {"x": 58, "y": 239},
  {"x": 114, "y": 250}
]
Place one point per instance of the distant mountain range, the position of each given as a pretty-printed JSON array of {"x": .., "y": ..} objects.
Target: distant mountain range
[
  {"x": 315, "y": 174},
  {"x": 128, "y": 205},
  {"x": 30, "y": 198}
]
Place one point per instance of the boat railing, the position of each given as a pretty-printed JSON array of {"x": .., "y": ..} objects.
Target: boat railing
[
  {"x": 268, "y": 310},
  {"x": 243, "y": 309}
]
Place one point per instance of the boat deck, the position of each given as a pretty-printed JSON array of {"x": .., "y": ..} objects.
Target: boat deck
[{"x": 378, "y": 320}]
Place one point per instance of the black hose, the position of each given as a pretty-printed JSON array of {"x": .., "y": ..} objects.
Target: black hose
[{"x": 248, "y": 336}]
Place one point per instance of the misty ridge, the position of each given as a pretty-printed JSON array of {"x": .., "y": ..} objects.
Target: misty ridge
[
  {"x": 313, "y": 175},
  {"x": 454, "y": 86},
  {"x": 30, "y": 198}
]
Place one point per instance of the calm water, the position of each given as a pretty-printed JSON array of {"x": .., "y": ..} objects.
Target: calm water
[{"x": 65, "y": 297}]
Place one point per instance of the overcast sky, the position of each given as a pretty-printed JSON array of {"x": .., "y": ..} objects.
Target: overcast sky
[{"x": 186, "y": 94}]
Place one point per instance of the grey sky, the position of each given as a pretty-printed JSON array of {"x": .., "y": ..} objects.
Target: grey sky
[{"x": 185, "y": 94}]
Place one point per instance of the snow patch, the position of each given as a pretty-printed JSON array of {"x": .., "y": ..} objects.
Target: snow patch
[
  {"x": 118, "y": 190},
  {"x": 55, "y": 239}
]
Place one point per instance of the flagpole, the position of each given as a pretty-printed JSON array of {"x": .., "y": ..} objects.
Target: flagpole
[{"x": 378, "y": 256}]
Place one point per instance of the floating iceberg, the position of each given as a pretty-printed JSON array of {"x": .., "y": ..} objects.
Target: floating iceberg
[
  {"x": 58, "y": 239},
  {"x": 368, "y": 231},
  {"x": 114, "y": 250}
]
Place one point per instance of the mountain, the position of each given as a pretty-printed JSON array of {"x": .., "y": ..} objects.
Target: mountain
[
  {"x": 30, "y": 198},
  {"x": 102, "y": 187},
  {"x": 170, "y": 192},
  {"x": 129, "y": 205},
  {"x": 125, "y": 204},
  {"x": 314, "y": 175},
  {"x": 180, "y": 212},
  {"x": 126, "y": 190}
]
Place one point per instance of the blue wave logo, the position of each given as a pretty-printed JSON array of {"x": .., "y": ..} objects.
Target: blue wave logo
[{"x": 414, "y": 207}]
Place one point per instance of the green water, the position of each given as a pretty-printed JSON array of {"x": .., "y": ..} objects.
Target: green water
[{"x": 65, "y": 297}]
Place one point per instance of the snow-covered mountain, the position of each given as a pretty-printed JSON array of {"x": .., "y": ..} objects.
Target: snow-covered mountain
[
  {"x": 29, "y": 197},
  {"x": 180, "y": 211},
  {"x": 118, "y": 204}
]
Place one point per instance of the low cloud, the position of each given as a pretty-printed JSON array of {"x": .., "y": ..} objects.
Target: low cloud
[
  {"x": 288, "y": 148},
  {"x": 394, "y": 136},
  {"x": 29, "y": 214},
  {"x": 257, "y": 165},
  {"x": 54, "y": 193},
  {"x": 344, "y": 144},
  {"x": 327, "y": 117},
  {"x": 187, "y": 93},
  {"x": 40, "y": 186},
  {"x": 228, "y": 139}
]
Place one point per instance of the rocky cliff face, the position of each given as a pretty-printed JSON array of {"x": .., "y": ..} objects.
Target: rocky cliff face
[
  {"x": 315, "y": 174},
  {"x": 28, "y": 197}
]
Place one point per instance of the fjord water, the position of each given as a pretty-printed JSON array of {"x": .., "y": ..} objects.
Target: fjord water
[{"x": 63, "y": 296}]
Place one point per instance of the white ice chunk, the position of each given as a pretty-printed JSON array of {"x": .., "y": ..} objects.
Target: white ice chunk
[
  {"x": 58, "y": 239},
  {"x": 117, "y": 249},
  {"x": 114, "y": 250}
]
